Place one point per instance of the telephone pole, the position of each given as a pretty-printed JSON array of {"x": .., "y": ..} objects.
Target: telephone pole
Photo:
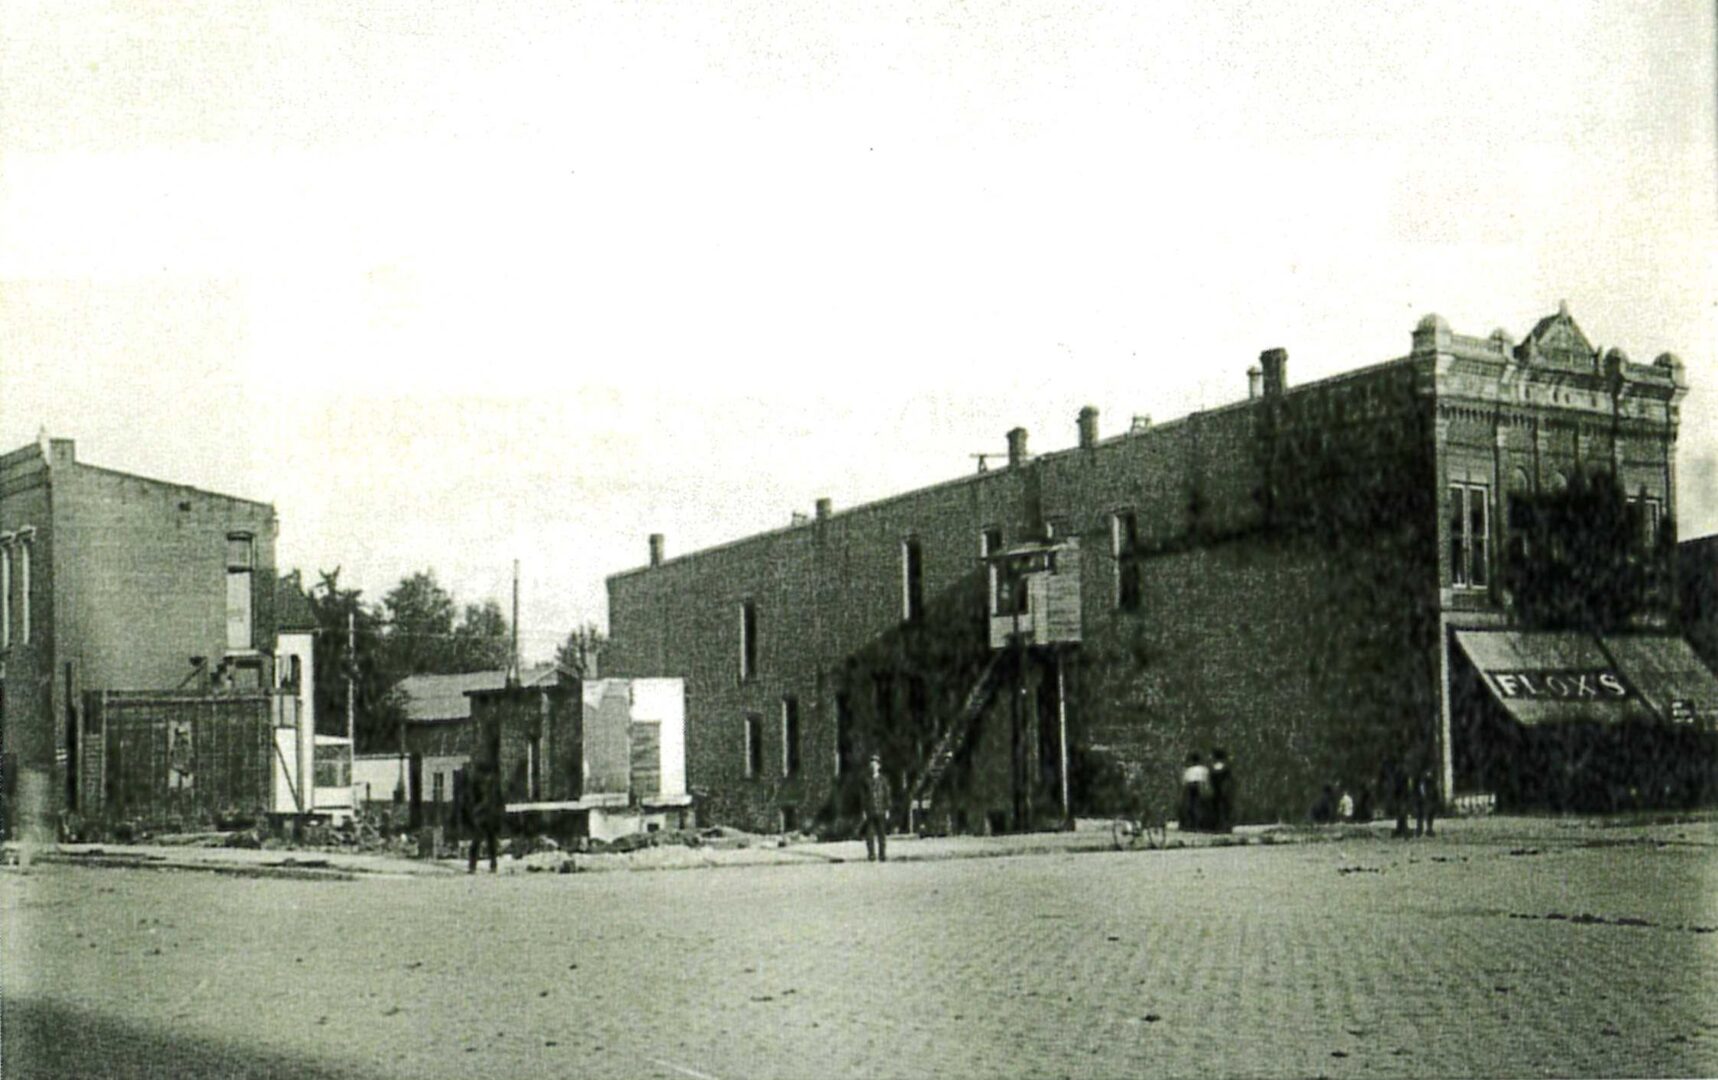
[
  {"x": 351, "y": 679},
  {"x": 513, "y": 670}
]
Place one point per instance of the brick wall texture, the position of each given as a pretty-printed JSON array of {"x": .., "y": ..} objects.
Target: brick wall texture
[
  {"x": 1295, "y": 600},
  {"x": 128, "y": 582}
]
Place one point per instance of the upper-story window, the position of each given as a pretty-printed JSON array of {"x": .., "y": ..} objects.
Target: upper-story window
[
  {"x": 24, "y": 546},
  {"x": 1646, "y": 513},
  {"x": 241, "y": 556},
  {"x": 989, "y": 544},
  {"x": 912, "y": 580},
  {"x": 1124, "y": 545},
  {"x": 748, "y": 640},
  {"x": 1470, "y": 535}
]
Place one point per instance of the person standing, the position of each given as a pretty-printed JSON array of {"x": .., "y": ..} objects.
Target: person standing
[
  {"x": 1396, "y": 792},
  {"x": 877, "y": 805},
  {"x": 1222, "y": 792},
  {"x": 487, "y": 811},
  {"x": 1195, "y": 786},
  {"x": 1425, "y": 803}
]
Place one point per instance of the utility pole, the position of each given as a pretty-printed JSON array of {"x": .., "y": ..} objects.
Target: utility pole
[
  {"x": 352, "y": 679},
  {"x": 513, "y": 670}
]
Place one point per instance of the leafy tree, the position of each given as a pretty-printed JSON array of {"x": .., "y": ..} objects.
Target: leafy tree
[
  {"x": 580, "y": 655},
  {"x": 419, "y": 633},
  {"x": 1578, "y": 559},
  {"x": 483, "y": 640},
  {"x": 377, "y": 708}
]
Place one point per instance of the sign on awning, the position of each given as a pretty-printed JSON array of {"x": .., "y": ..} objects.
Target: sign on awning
[{"x": 1553, "y": 677}]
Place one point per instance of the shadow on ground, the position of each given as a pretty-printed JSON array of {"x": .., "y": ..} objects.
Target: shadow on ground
[{"x": 45, "y": 1039}]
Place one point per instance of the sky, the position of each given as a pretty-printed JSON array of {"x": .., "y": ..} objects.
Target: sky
[{"x": 531, "y": 281}]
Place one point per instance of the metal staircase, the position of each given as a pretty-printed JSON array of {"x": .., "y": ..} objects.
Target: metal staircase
[{"x": 955, "y": 735}]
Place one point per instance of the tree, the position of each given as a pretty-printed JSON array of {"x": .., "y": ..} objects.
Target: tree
[
  {"x": 419, "y": 633},
  {"x": 482, "y": 641},
  {"x": 579, "y": 656},
  {"x": 1580, "y": 558},
  {"x": 377, "y": 708}
]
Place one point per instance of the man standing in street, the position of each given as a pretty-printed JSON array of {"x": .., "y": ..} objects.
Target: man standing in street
[
  {"x": 877, "y": 804},
  {"x": 486, "y": 810}
]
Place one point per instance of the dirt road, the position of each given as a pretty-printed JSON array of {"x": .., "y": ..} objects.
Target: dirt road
[{"x": 1482, "y": 955}]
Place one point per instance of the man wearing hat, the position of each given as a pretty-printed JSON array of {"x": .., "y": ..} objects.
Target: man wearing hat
[{"x": 877, "y": 803}]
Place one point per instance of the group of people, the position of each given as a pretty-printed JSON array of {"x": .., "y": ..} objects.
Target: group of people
[
  {"x": 1405, "y": 791},
  {"x": 1208, "y": 794}
]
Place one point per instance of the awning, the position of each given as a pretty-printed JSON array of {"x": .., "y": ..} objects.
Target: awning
[
  {"x": 1544, "y": 677},
  {"x": 1672, "y": 679}
]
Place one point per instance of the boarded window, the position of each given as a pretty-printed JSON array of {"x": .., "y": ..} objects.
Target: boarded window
[{"x": 646, "y": 759}]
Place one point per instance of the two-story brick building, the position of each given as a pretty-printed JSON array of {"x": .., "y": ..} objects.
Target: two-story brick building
[
  {"x": 1310, "y": 578},
  {"x": 110, "y": 581}
]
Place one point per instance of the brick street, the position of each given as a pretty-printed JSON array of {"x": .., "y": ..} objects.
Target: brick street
[{"x": 1477, "y": 953}]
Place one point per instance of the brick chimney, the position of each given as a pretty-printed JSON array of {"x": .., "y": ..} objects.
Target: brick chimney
[
  {"x": 1088, "y": 427},
  {"x": 655, "y": 549},
  {"x": 824, "y": 509},
  {"x": 1017, "y": 448},
  {"x": 1255, "y": 382},
  {"x": 1273, "y": 365}
]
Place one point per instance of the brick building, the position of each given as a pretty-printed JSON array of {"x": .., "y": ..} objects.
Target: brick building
[
  {"x": 113, "y": 582},
  {"x": 1291, "y": 577}
]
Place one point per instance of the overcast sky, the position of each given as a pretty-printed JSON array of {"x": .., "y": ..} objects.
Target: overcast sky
[{"x": 536, "y": 280}]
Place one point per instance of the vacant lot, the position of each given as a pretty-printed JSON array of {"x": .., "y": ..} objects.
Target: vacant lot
[{"x": 1472, "y": 954}]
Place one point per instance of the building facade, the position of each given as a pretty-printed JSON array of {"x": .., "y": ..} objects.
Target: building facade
[
  {"x": 1285, "y": 578},
  {"x": 110, "y": 582}
]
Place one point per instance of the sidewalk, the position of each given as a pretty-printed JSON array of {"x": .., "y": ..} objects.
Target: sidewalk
[{"x": 1699, "y": 828}]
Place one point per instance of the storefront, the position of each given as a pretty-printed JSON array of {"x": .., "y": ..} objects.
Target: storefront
[{"x": 1569, "y": 720}]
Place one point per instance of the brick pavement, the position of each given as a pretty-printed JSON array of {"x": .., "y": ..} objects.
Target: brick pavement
[{"x": 1354, "y": 957}]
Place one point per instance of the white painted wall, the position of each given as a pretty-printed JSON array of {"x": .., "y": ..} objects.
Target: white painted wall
[{"x": 663, "y": 701}]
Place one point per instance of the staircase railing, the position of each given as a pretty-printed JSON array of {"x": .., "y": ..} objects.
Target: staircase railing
[{"x": 955, "y": 735}]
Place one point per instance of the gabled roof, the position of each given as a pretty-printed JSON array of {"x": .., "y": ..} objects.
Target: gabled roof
[
  {"x": 431, "y": 698},
  {"x": 292, "y": 610},
  {"x": 1559, "y": 339}
]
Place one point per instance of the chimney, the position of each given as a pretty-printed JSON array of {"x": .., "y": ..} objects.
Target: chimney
[
  {"x": 1274, "y": 364},
  {"x": 1255, "y": 379},
  {"x": 1016, "y": 448},
  {"x": 824, "y": 509},
  {"x": 655, "y": 549},
  {"x": 1088, "y": 427}
]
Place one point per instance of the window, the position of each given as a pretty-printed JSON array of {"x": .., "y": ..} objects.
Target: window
[
  {"x": 790, "y": 736},
  {"x": 24, "y": 593},
  {"x": 843, "y": 734},
  {"x": 989, "y": 544},
  {"x": 333, "y": 767},
  {"x": 748, "y": 640},
  {"x": 754, "y": 745},
  {"x": 436, "y": 787},
  {"x": 239, "y": 566},
  {"x": 1645, "y": 513},
  {"x": 912, "y": 580},
  {"x": 5, "y": 597},
  {"x": 789, "y": 819},
  {"x": 1124, "y": 545},
  {"x": 1469, "y": 519}
]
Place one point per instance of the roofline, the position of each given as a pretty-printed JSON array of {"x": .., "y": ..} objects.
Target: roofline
[
  {"x": 970, "y": 478},
  {"x": 176, "y": 486}
]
